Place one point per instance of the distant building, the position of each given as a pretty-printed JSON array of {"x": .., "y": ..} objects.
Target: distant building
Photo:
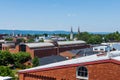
[
  {"x": 75, "y": 53},
  {"x": 6, "y": 45},
  {"x": 102, "y": 48},
  {"x": 78, "y": 30},
  {"x": 49, "y": 47},
  {"x": 2, "y": 36},
  {"x": 71, "y": 34},
  {"x": 93, "y": 67}
]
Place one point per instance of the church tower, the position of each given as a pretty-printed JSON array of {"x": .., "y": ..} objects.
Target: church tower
[
  {"x": 78, "y": 30},
  {"x": 13, "y": 32},
  {"x": 71, "y": 34}
]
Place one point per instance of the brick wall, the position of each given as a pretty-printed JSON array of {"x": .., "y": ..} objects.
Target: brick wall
[
  {"x": 48, "y": 51},
  {"x": 31, "y": 51},
  {"x": 71, "y": 47},
  {"x": 103, "y": 71},
  {"x": 57, "y": 74},
  {"x": 106, "y": 71},
  {"x": 45, "y": 52},
  {"x": 14, "y": 50}
]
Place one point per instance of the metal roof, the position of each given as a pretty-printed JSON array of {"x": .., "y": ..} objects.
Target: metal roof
[
  {"x": 42, "y": 44},
  {"x": 70, "y": 42},
  {"x": 45, "y": 44},
  {"x": 51, "y": 59},
  {"x": 79, "y": 60}
]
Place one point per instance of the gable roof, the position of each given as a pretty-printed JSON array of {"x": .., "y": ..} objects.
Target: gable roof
[
  {"x": 70, "y": 42},
  {"x": 82, "y": 60},
  {"x": 41, "y": 44}
]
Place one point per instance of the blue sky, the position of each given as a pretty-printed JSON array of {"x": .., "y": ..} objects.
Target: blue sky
[{"x": 50, "y": 15}]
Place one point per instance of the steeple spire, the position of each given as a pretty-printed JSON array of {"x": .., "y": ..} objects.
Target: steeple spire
[
  {"x": 13, "y": 32},
  {"x": 78, "y": 30},
  {"x": 71, "y": 30},
  {"x": 71, "y": 34}
]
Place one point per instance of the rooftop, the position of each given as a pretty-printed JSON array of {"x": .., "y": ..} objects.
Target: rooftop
[
  {"x": 32, "y": 45},
  {"x": 44, "y": 44},
  {"x": 51, "y": 59},
  {"x": 111, "y": 55},
  {"x": 71, "y": 42},
  {"x": 5, "y": 78}
]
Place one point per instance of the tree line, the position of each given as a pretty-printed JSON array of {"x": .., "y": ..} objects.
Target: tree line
[
  {"x": 86, "y": 36},
  {"x": 98, "y": 38}
]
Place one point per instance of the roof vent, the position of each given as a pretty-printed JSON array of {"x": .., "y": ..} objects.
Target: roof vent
[{"x": 114, "y": 54}]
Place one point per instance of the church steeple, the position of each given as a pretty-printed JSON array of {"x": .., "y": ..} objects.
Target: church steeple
[
  {"x": 13, "y": 32},
  {"x": 78, "y": 30},
  {"x": 71, "y": 34}
]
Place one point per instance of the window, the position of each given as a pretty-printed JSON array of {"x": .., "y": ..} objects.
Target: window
[
  {"x": 82, "y": 73},
  {"x": 22, "y": 47},
  {"x": 95, "y": 49},
  {"x": 102, "y": 49}
]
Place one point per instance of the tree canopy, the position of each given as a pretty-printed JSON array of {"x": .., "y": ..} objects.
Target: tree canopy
[
  {"x": 6, "y": 58},
  {"x": 35, "y": 61},
  {"x": 6, "y": 71}
]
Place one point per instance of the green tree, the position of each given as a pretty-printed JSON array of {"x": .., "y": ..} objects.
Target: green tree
[
  {"x": 112, "y": 37},
  {"x": 35, "y": 61},
  {"x": 9, "y": 39},
  {"x": 94, "y": 40},
  {"x": 19, "y": 40},
  {"x": 83, "y": 36},
  {"x": 30, "y": 40},
  {"x": 6, "y": 58},
  {"x": 41, "y": 40},
  {"x": 20, "y": 58},
  {"x": 6, "y": 71}
]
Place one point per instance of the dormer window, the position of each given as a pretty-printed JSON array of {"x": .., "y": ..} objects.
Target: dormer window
[
  {"x": 82, "y": 73},
  {"x": 95, "y": 49},
  {"x": 102, "y": 49}
]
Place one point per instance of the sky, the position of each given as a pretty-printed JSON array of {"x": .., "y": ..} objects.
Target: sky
[{"x": 52, "y": 15}]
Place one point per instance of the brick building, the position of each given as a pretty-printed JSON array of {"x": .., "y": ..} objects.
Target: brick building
[
  {"x": 94, "y": 67},
  {"x": 6, "y": 45},
  {"x": 43, "y": 49}
]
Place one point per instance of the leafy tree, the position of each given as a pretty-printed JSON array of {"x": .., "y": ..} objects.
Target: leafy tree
[
  {"x": 19, "y": 40},
  {"x": 112, "y": 37},
  {"x": 30, "y": 40},
  {"x": 41, "y": 40},
  {"x": 96, "y": 39},
  {"x": 9, "y": 39},
  {"x": 21, "y": 57},
  {"x": 6, "y": 71},
  {"x": 83, "y": 36},
  {"x": 35, "y": 61},
  {"x": 6, "y": 58},
  {"x": 46, "y": 35}
]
